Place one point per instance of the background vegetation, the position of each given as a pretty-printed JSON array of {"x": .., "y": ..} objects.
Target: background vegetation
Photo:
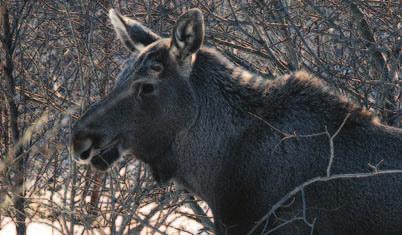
[{"x": 57, "y": 57}]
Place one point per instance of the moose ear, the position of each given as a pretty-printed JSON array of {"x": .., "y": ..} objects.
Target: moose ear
[
  {"x": 188, "y": 34},
  {"x": 133, "y": 35}
]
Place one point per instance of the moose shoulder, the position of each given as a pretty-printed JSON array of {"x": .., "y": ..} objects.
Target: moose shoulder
[{"x": 241, "y": 142}]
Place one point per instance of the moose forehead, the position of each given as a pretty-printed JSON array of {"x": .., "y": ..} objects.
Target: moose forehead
[{"x": 156, "y": 51}]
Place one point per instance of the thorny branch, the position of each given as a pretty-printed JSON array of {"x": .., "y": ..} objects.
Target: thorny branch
[{"x": 328, "y": 177}]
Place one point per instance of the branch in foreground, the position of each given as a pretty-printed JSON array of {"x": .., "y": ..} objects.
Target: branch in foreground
[{"x": 315, "y": 180}]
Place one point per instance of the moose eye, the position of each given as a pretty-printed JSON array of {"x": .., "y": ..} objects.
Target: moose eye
[
  {"x": 144, "y": 88},
  {"x": 148, "y": 88},
  {"x": 157, "y": 67}
]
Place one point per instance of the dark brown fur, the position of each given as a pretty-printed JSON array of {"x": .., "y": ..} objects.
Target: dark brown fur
[{"x": 219, "y": 131}]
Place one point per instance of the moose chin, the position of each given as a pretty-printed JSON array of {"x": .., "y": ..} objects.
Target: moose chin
[{"x": 241, "y": 142}]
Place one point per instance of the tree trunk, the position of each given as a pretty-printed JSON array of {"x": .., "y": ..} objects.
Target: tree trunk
[{"x": 15, "y": 149}]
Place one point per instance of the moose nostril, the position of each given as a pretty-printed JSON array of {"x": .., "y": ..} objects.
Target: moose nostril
[
  {"x": 85, "y": 155},
  {"x": 82, "y": 148}
]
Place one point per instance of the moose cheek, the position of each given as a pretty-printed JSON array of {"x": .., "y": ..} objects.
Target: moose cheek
[{"x": 105, "y": 160}]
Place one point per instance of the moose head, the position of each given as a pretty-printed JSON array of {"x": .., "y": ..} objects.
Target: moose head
[{"x": 152, "y": 100}]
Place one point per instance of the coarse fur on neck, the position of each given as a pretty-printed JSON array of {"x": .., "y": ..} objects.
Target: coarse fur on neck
[
  {"x": 271, "y": 99},
  {"x": 228, "y": 95}
]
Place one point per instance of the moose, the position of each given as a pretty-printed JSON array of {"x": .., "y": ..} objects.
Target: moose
[{"x": 241, "y": 142}]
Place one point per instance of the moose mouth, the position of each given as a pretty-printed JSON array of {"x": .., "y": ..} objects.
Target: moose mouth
[{"x": 103, "y": 158}]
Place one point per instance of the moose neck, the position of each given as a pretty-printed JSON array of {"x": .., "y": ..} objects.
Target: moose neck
[
  {"x": 239, "y": 88},
  {"x": 223, "y": 95}
]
